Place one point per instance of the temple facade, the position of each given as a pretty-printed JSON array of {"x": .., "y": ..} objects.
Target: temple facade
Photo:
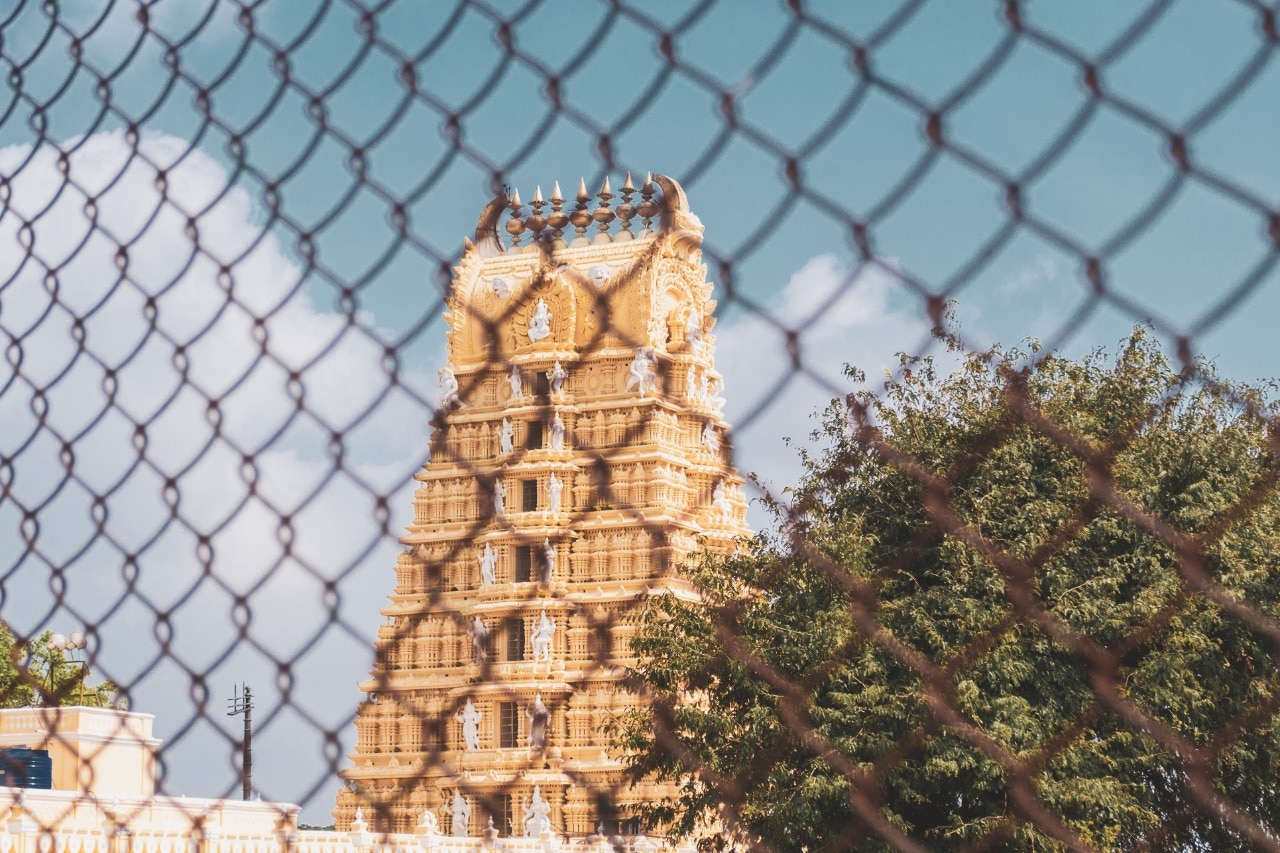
[{"x": 579, "y": 458}]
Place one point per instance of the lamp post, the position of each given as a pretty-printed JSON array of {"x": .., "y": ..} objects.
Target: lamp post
[
  {"x": 242, "y": 703},
  {"x": 58, "y": 643}
]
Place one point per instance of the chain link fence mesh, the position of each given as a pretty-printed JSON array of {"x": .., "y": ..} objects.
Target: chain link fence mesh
[{"x": 228, "y": 231}]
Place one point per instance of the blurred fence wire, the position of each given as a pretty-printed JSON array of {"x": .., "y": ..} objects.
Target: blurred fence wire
[{"x": 227, "y": 235}]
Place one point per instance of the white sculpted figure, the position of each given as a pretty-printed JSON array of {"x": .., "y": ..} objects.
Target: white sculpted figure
[
  {"x": 690, "y": 384},
  {"x": 429, "y": 825},
  {"x": 705, "y": 393},
  {"x": 540, "y": 322},
  {"x": 557, "y": 432},
  {"x": 537, "y": 815},
  {"x": 499, "y": 286},
  {"x": 554, "y": 488},
  {"x": 643, "y": 375},
  {"x": 548, "y": 560},
  {"x": 506, "y": 436},
  {"x": 539, "y": 716},
  {"x": 499, "y": 498},
  {"x": 517, "y": 385},
  {"x": 716, "y": 401},
  {"x": 488, "y": 566},
  {"x": 542, "y": 639},
  {"x": 479, "y": 641},
  {"x": 693, "y": 332},
  {"x": 470, "y": 717},
  {"x": 461, "y": 813},
  {"x": 556, "y": 378},
  {"x": 448, "y": 385},
  {"x": 710, "y": 440},
  {"x": 720, "y": 501}
]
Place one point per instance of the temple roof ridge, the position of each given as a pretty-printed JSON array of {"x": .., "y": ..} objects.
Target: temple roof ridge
[{"x": 660, "y": 198}]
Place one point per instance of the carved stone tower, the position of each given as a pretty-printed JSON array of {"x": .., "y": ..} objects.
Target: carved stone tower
[{"x": 579, "y": 457}]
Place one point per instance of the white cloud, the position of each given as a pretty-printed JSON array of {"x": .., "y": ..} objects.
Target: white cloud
[
  {"x": 161, "y": 333},
  {"x": 111, "y": 29},
  {"x": 176, "y": 333},
  {"x": 1032, "y": 278},
  {"x": 839, "y": 317}
]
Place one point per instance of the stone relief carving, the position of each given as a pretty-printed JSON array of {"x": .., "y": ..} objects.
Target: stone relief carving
[
  {"x": 556, "y": 377},
  {"x": 429, "y": 825},
  {"x": 470, "y": 718},
  {"x": 554, "y": 489},
  {"x": 710, "y": 440},
  {"x": 461, "y": 814},
  {"x": 537, "y": 815},
  {"x": 542, "y": 635},
  {"x": 557, "y": 432},
  {"x": 448, "y": 385},
  {"x": 539, "y": 716},
  {"x": 479, "y": 641},
  {"x": 643, "y": 373},
  {"x": 720, "y": 501},
  {"x": 548, "y": 560},
  {"x": 506, "y": 436},
  {"x": 540, "y": 322}
]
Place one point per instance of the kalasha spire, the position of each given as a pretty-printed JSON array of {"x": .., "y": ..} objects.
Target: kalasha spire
[
  {"x": 661, "y": 199},
  {"x": 603, "y": 215}
]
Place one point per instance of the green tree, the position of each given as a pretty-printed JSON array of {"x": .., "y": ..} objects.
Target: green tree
[
  {"x": 35, "y": 674},
  {"x": 1004, "y": 603}
]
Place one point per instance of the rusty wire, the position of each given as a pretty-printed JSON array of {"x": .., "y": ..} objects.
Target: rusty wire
[{"x": 26, "y": 119}]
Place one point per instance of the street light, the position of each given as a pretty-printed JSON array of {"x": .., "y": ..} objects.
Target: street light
[{"x": 69, "y": 643}]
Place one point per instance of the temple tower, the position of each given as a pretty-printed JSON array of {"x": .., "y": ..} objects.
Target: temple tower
[{"x": 579, "y": 457}]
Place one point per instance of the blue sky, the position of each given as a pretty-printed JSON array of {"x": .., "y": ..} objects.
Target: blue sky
[
  {"x": 789, "y": 80},
  {"x": 1187, "y": 250}
]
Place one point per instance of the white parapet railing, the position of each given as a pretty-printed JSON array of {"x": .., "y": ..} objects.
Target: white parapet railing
[
  {"x": 104, "y": 801},
  {"x": 51, "y": 821}
]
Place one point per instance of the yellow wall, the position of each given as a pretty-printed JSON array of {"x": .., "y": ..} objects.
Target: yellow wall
[{"x": 99, "y": 750}]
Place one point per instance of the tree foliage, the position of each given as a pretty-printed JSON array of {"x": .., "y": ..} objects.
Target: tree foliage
[
  {"x": 1002, "y": 604},
  {"x": 35, "y": 674}
]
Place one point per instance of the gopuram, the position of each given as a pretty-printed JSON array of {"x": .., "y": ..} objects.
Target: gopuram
[{"x": 579, "y": 458}]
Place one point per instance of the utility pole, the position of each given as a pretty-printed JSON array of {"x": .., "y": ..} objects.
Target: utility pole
[{"x": 242, "y": 703}]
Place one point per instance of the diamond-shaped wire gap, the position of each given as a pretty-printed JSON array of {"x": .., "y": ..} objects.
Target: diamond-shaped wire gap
[
  {"x": 1185, "y": 58},
  {"x": 1101, "y": 181}
]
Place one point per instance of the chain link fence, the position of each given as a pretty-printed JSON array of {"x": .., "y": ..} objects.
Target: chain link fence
[{"x": 229, "y": 231}]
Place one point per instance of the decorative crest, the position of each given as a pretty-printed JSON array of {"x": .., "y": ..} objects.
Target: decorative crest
[{"x": 660, "y": 197}]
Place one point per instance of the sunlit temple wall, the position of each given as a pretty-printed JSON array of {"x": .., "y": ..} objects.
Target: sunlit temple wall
[{"x": 579, "y": 458}]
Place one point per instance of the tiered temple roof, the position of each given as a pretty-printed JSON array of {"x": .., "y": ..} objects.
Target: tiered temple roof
[{"x": 579, "y": 458}]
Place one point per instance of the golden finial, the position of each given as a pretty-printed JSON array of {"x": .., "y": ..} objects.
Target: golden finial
[
  {"x": 536, "y": 222},
  {"x": 603, "y": 215},
  {"x": 558, "y": 218},
  {"x": 647, "y": 208},
  {"x": 626, "y": 211},
  {"x": 515, "y": 225},
  {"x": 581, "y": 216}
]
